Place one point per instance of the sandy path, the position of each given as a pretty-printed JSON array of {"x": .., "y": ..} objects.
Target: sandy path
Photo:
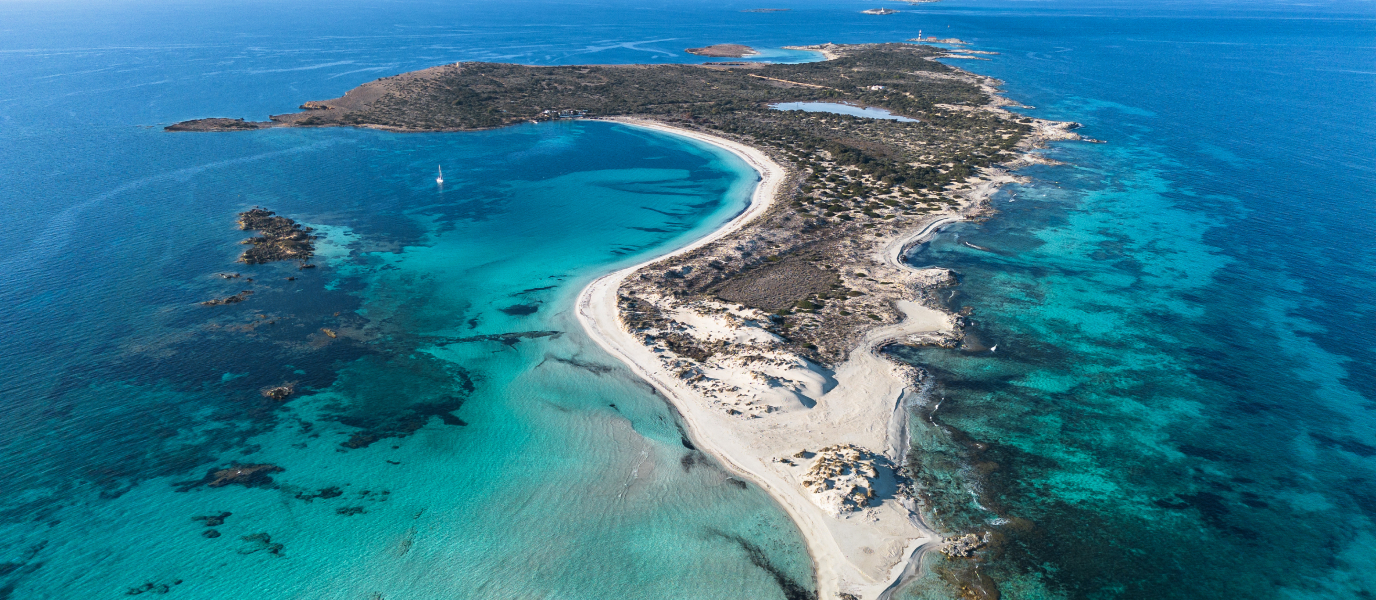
[{"x": 865, "y": 554}]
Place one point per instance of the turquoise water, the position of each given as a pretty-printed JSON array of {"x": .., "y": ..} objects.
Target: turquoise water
[
  {"x": 1181, "y": 400},
  {"x": 1180, "y": 403},
  {"x": 461, "y": 465},
  {"x": 841, "y": 109}
]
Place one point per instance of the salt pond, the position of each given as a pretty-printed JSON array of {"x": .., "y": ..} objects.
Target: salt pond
[{"x": 841, "y": 109}]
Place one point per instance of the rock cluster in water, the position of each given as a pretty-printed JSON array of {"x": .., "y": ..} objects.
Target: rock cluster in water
[
  {"x": 281, "y": 239},
  {"x": 279, "y": 393},
  {"x": 963, "y": 546},
  {"x": 211, "y": 522},
  {"x": 235, "y": 299}
]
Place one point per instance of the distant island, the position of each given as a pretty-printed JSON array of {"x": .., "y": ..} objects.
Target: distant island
[
  {"x": 767, "y": 335},
  {"x": 931, "y": 39},
  {"x": 879, "y": 11},
  {"x": 724, "y": 51},
  {"x": 766, "y": 10}
]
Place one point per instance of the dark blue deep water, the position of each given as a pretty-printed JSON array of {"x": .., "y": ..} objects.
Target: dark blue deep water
[{"x": 1182, "y": 403}]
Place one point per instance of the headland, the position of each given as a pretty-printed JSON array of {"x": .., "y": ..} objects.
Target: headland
[
  {"x": 724, "y": 51},
  {"x": 767, "y": 336}
]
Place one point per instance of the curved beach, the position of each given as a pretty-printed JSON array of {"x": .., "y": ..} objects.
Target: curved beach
[
  {"x": 853, "y": 556},
  {"x": 766, "y": 334}
]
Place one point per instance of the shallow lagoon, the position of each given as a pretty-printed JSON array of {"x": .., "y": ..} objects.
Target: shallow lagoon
[
  {"x": 837, "y": 108},
  {"x": 460, "y": 437}
]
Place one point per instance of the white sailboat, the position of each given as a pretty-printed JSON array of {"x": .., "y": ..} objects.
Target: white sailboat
[{"x": 440, "y": 179}]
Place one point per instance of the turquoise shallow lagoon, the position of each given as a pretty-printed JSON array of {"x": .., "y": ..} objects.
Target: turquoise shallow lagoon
[{"x": 458, "y": 437}]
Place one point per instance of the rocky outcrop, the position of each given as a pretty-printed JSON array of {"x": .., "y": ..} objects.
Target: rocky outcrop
[
  {"x": 218, "y": 124},
  {"x": 963, "y": 546},
  {"x": 841, "y": 478},
  {"x": 279, "y": 393},
  {"x": 281, "y": 239},
  {"x": 235, "y": 299},
  {"x": 723, "y": 51}
]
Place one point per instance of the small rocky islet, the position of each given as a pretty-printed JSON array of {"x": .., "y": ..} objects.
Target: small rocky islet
[
  {"x": 723, "y": 51},
  {"x": 281, "y": 239},
  {"x": 217, "y": 124}
]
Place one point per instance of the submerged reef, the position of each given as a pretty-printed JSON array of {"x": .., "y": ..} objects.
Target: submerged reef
[
  {"x": 213, "y": 520},
  {"x": 235, "y": 474},
  {"x": 261, "y": 542}
]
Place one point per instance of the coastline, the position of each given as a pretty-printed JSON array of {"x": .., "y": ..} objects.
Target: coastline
[
  {"x": 765, "y": 335},
  {"x": 869, "y": 398}
]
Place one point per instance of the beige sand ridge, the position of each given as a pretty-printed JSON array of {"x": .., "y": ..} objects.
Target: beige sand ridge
[{"x": 767, "y": 413}]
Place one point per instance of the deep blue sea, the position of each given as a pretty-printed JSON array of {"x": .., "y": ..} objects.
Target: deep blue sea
[{"x": 1182, "y": 402}]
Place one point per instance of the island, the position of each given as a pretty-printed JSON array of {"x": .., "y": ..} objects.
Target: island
[
  {"x": 879, "y": 11},
  {"x": 723, "y": 51},
  {"x": 931, "y": 39},
  {"x": 768, "y": 335}
]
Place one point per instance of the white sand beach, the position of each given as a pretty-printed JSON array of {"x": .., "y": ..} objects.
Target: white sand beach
[{"x": 859, "y": 551}]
